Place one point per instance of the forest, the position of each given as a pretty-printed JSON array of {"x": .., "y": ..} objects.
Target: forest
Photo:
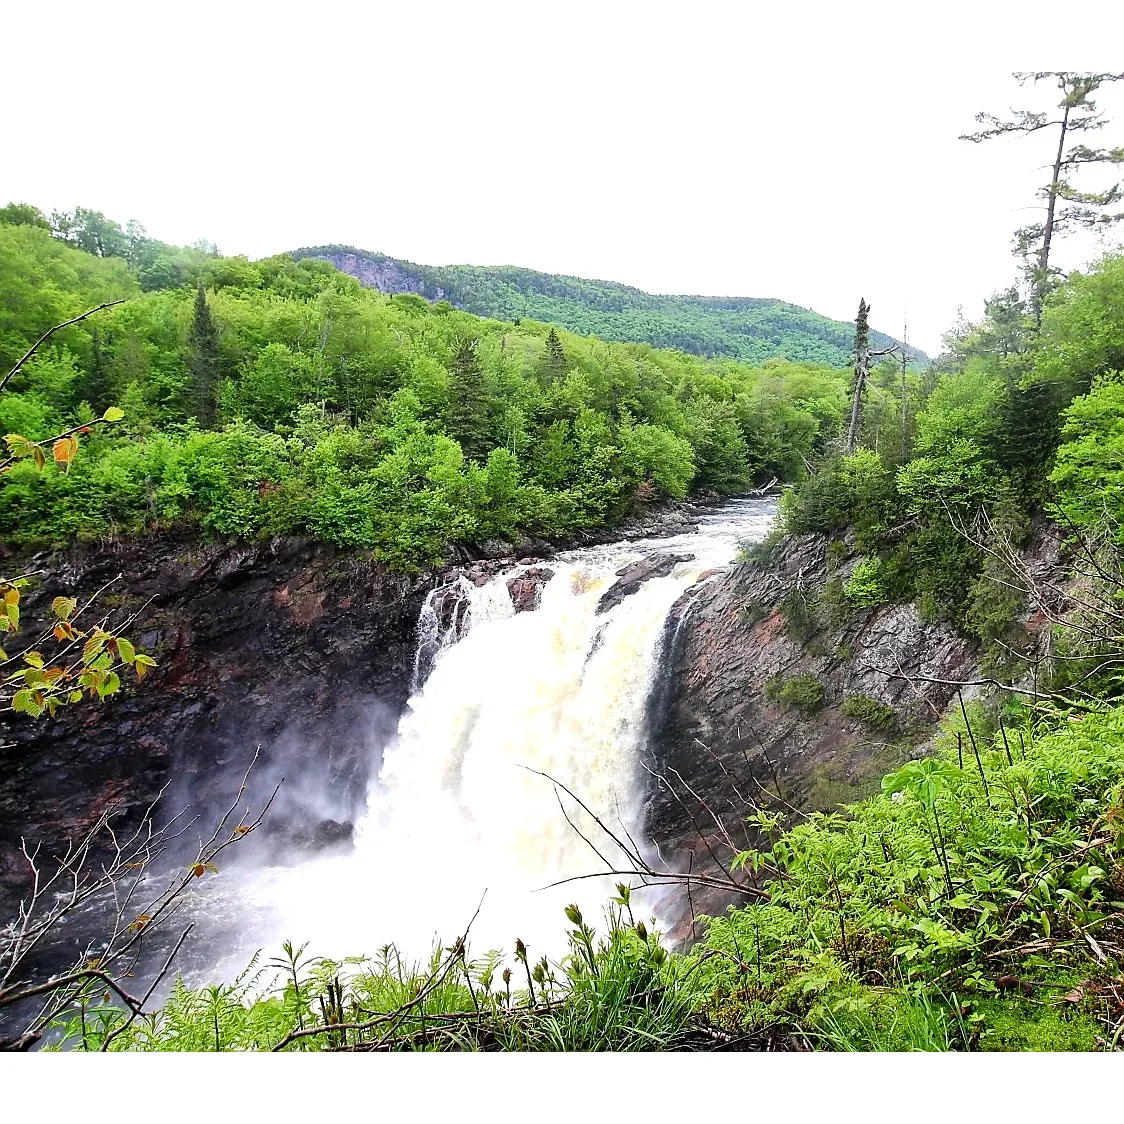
[
  {"x": 279, "y": 396},
  {"x": 746, "y": 328}
]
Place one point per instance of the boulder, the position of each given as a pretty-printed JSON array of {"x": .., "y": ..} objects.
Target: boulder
[
  {"x": 633, "y": 576},
  {"x": 526, "y": 588}
]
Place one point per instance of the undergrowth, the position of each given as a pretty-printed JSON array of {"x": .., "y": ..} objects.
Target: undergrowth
[
  {"x": 976, "y": 903},
  {"x": 981, "y": 883}
]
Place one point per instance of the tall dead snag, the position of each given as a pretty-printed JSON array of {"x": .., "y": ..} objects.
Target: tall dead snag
[{"x": 862, "y": 372}]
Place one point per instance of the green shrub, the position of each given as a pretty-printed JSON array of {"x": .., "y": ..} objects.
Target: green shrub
[
  {"x": 900, "y": 921},
  {"x": 872, "y": 713},
  {"x": 864, "y": 588},
  {"x": 804, "y": 692},
  {"x": 799, "y": 612}
]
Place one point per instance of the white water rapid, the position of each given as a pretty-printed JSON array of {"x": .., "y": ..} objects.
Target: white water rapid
[{"x": 458, "y": 811}]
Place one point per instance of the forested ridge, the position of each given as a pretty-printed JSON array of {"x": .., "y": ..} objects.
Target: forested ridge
[
  {"x": 746, "y": 328},
  {"x": 280, "y": 396}
]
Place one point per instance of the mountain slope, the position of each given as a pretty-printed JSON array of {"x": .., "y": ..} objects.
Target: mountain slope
[{"x": 746, "y": 328}]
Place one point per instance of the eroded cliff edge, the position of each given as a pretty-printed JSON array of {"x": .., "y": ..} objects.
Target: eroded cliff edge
[
  {"x": 289, "y": 646},
  {"x": 725, "y": 733}
]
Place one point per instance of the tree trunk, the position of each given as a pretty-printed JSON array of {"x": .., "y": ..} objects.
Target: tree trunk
[
  {"x": 862, "y": 365},
  {"x": 1048, "y": 229}
]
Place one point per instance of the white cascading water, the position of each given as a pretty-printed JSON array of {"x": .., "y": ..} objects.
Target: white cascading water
[{"x": 458, "y": 811}]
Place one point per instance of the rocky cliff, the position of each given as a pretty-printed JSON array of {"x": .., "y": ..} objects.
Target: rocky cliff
[
  {"x": 288, "y": 646},
  {"x": 757, "y": 707}
]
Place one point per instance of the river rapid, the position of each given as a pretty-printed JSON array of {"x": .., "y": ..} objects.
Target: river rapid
[{"x": 459, "y": 816}]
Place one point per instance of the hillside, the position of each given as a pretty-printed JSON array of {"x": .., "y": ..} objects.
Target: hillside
[
  {"x": 282, "y": 396},
  {"x": 748, "y": 328}
]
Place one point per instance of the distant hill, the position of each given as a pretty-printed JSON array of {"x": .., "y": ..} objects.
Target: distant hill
[{"x": 746, "y": 328}]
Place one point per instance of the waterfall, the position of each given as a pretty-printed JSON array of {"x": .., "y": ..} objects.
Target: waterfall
[{"x": 460, "y": 809}]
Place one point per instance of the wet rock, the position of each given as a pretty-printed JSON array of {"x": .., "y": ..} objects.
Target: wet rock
[
  {"x": 632, "y": 577},
  {"x": 314, "y": 836},
  {"x": 526, "y": 588}
]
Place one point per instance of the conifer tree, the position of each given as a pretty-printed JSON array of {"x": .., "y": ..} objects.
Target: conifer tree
[
  {"x": 555, "y": 358},
  {"x": 468, "y": 421},
  {"x": 1078, "y": 114},
  {"x": 97, "y": 386},
  {"x": 203, "y": 361}
]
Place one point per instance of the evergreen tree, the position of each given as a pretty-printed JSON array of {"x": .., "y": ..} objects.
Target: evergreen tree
[
  {"x": 97, "y": 386},
  {"x": 1078, "y": 114},
  {"x": 554, "y": 359},
  {"x": 204, "y": 361},
  {"x": 468, "y": 420}
]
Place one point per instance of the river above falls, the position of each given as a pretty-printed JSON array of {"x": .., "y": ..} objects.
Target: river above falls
[{"x": 457, "y": 814}]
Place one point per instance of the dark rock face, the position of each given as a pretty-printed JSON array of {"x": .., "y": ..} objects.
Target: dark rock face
[
  {"x": 526, "y": 588},
  {"x": 633, "y": 576},
  {"x": 715, "y": 732},
  {"x": 288, "y": 646}
]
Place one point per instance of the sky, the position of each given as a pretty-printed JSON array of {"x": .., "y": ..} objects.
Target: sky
[{"x": 806, "y": 152}]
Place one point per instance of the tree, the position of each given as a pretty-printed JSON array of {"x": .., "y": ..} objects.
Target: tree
[
  {"x": 1079, "y": 114},
  {"x": 204, "y": 361},
  {"x": 863, "y": 356},
  {"x": 862, "y": 370},
  {"x": 97, "y": 386},
  {"x": 554, "y": 360},
  {"x": 468, "y": 421},
  {"x": 23, "y": 214}
]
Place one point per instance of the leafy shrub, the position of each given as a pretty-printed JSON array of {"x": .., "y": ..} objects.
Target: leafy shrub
[
  {"x": 864, "y": 588},
  {"x": 847, "y": 491},
  {"x": 804, "y": 692},
  {"x": 870, "y": 712},
  {"x": 938, "y": 892}
]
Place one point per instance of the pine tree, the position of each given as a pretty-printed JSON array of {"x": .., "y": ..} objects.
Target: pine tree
[
  {"x": 468, "y": 420},
  {"x": 203, "y": 361},
  {"x": 1078, "y": 113},
  {"x": 554, "y": 361},
  {"x": 97, "y": 386}
]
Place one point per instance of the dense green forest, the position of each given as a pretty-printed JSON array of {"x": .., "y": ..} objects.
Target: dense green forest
[
  {"x": 750, "y": 329},
  {"x": 1012, "y": 422},
  {"x": 280, "y": 396}
]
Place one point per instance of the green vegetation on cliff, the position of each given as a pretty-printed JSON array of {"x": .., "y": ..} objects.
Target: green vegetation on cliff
[
  {"x": 746, "y": 328},
  {"x": 280, "y": 396},
  {"x": 1012, "y": 424}
]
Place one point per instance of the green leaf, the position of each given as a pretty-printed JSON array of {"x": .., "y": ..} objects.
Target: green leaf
[
  {"x": 126, "y": 650},
  {"x": 25, "y": 702},
  {"x": 113, "y": 414},
  {"x": 63, "y": 607},
  {"x": 110, "y": 685}
]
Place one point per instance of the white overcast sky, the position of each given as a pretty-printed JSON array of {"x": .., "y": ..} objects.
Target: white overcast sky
[{"x": 802, "y": 151}]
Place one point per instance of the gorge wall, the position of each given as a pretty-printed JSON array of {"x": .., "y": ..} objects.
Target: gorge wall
[
  {"x": 301, "y": 650},
  {"x": 309, "y": 654},
  {"x": 721, "y": 739}
]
